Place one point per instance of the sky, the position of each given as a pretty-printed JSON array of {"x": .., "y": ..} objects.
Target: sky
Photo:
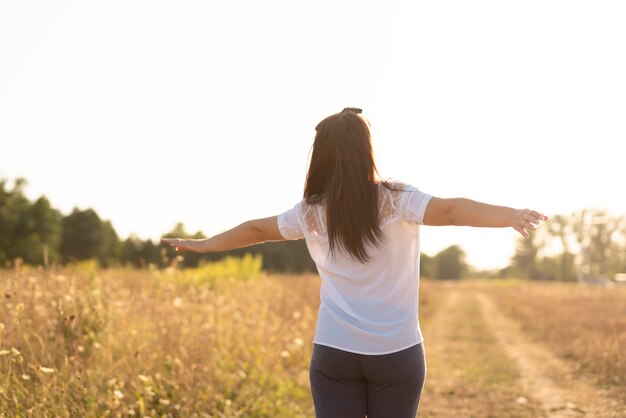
[{"x": 154, "y": 112}]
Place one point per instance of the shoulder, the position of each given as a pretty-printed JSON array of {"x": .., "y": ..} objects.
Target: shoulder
[
  {"x": 410, "y": 200},
  {"x": 396, "y": 185}
]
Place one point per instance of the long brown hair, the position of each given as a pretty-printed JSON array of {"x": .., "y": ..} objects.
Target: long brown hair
[{"x": 343, "y": 173}]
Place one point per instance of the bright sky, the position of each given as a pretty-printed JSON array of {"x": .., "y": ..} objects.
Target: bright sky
[{"x": 154, "y": 112}]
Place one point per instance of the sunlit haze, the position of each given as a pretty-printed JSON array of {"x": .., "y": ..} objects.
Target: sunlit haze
[{"x": 155, "y": 112}]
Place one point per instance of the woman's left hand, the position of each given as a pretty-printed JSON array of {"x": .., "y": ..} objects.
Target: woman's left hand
[{"x": 179, "y": 244}]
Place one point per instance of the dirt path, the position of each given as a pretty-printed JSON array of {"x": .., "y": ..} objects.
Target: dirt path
[
  {"x": 436, "y": 327},
  {"x": 469, "y": 374},
  {"x": 546, "y": 378}
]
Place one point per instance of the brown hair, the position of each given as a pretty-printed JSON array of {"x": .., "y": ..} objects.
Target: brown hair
[{"x": 343, "y": 173}]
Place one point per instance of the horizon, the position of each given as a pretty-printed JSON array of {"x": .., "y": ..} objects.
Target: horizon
[{"x": 155, "y": 239}]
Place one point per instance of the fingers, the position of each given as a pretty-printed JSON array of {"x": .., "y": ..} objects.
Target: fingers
[
  {"x": 522, "y": 231},
  {"x": 177, "y": 243},
  {"x": 172, "y": 241},
  {"x": 532, "y": 217},
  {"x": 528, "y": 220}
]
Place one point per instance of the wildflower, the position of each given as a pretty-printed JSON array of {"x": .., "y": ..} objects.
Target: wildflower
[
  {"x": 4, "y": 352},
  {"x": 298, "y": 341},
  {"x": 15, "y": 351},
  {"x": 144, "y": 378},
  {"x": 118, "y": 394},
  {"x": 80, "y": 348},
  {"x": 164, "y": 401},
  {"x": 296, "y": 315},
  {"x": 25, "y": 377},
  {"x": 46, "y": 370},
  {"x": 177, "y": 302},
  {"x": 284, "y": 354}
]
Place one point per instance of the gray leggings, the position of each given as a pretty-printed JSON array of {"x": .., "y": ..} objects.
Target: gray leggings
[{"x": 346, "y": 384}]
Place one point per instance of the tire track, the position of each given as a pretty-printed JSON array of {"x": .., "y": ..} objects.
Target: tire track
[
  {"x": 434, "y": 337},
  {"x": 546, "y": 378},
  {"x": 435, "y": 327}
]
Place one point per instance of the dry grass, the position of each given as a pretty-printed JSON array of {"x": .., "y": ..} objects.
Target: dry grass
[
  {"x": 582, "y": 323},
  {"x": 232, "y": 342},
  {"x": 127, "y": 343}
]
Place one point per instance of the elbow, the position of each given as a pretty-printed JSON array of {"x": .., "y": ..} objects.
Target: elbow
[{"x": 255, "y": 231}]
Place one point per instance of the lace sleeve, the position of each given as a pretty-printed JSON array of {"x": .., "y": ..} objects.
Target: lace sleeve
[
  {"x": 290, "y": 223},
  {"x": 389, "y": 202}
]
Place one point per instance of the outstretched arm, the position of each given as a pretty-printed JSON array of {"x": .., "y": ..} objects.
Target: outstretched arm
[
  {"x": 466, "y": 212},
  {"x": 248, "y": 233}
]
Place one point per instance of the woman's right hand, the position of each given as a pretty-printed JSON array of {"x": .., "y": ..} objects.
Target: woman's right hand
[{"x": 524, "y": 219}]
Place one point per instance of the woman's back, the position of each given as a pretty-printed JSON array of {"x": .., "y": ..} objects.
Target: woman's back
[{"x": 367, "y": 308}]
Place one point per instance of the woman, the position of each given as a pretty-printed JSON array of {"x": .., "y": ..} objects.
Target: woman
[{"x": 363, "y": 234}]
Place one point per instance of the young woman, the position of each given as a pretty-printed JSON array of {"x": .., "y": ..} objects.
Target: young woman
[{"x": 363, "y": 234}]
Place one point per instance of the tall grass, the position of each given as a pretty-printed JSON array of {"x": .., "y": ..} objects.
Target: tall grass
[{"x": 203, "y": 342}]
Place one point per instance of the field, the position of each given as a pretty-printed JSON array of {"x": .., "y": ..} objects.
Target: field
[{"x": 229, "y": 341}]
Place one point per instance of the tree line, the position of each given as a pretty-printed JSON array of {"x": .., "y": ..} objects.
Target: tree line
[
  {"x": 584, "y": 244},
  {"x": 587, "y": 245},
  {"x": 39, "y": 234}
]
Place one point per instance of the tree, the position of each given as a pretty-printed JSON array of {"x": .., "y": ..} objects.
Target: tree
[
  {"x": 27, "y": 230},
  {"x": 525, "y": 259},
  {"x": 427, "y": 266},
  {"x": 284, "y": 256},
  {"x": 44, "y": 234},
  {"x": 14, "y": 208},
  {"x": 561, "y": 227},
  {"x": 450, "y": 263},
  {"x": 86, "y": 236},
  {"x": 110, "y": 247},
  {"x": 131, "y": 251},
  {"x": 150, "y": 254},
  {"x": 602, "y": 242}
]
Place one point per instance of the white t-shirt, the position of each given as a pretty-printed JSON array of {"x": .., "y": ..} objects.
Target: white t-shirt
[{"x": 369, "y": 308}]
